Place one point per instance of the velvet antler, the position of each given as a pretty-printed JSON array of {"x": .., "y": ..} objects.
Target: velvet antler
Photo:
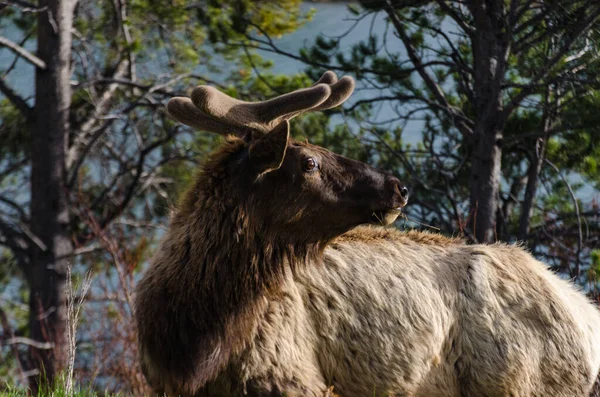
[{"x": 211, "y": 110}]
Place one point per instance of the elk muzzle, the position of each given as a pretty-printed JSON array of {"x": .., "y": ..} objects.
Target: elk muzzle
[{"x": 398, "y": 198}]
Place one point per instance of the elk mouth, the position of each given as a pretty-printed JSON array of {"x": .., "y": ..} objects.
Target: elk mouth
[{"x": 385, "y": 217}]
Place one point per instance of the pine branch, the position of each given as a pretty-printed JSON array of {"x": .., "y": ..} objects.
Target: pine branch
[{"x": 577, "y": 30}]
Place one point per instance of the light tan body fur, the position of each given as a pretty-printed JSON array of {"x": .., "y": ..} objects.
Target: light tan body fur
[{"x": 415, "y": 314}]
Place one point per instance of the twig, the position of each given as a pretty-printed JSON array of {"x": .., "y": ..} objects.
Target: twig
[{"x": 575, "y": 203}]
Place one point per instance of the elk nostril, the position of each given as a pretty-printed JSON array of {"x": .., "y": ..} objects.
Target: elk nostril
[{"x": 404, "y": 191}]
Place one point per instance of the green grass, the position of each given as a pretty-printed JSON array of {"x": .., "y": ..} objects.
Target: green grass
[
  {"x": 55, "y": 393},
  {"x": 58, "y": 391}
]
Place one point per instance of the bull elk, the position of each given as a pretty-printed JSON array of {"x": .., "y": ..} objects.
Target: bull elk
[{"x": 270, "y": 280}]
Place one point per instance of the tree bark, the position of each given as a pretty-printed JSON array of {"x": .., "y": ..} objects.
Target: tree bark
[
  {"x": 49, "y": 209},
  {"x": 485, "y": 182},
  {"x": 491, "y": 47}
]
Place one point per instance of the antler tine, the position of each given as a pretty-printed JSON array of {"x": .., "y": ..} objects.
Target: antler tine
[
  {"x": 183, "y": 110},
  {"x": 328, "y": 78},
  {"x": 261, "y": 116},
  {"x": 340, "y": 91}
]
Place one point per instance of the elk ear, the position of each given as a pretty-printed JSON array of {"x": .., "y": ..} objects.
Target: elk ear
[{"x": 267, "y": 152}]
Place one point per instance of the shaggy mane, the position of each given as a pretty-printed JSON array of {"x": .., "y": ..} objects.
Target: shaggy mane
[{"x": 217, "y": 266}]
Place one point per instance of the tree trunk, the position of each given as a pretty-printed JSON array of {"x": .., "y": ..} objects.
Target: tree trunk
[
  {"x": 49, "y": 210},
  {"x": 485, "y": 182},
  {"x": 490, "y": 54}
]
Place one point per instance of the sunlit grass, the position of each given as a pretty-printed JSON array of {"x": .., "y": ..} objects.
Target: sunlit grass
[{"x": 60, "y": 390}]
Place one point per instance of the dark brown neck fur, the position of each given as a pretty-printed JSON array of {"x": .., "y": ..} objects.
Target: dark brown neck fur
[
  {"x": 232, "y": 256},
  {"x": 221, "y": 262}
]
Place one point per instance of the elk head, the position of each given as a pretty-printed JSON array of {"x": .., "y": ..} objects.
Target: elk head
[{"x": 298, "y": 191}]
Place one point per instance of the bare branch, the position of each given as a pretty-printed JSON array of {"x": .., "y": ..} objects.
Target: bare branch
[
  {"x": 130, "y": 189},
  {"x": 14, "y": 205},
  {"x": 16, "y": 100},
  {"x": 20, "y": 340},
  {"x": 17, "y": 56},
  {"x": 17, "y": 49},
  {"x": 34, "y": 239},
  {"x": 101, "y": 105},
  {"x": 272, "y": 47},
  {"x": 121, "y": 15},
  {"x": 86, "y": 250},
  {"x": 434, "y": 88},
  {"x": 12, "y": 238},
  {"x": 86, "y": 139},
  {"x": 23, "y": 6},
  {"x": 18, "y": 3},
  {"x": 87, "y": 136},
  {"x": 576, "y": 205}
]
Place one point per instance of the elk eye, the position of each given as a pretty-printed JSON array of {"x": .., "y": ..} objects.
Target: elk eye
[{"x": 309, "y": 164}]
